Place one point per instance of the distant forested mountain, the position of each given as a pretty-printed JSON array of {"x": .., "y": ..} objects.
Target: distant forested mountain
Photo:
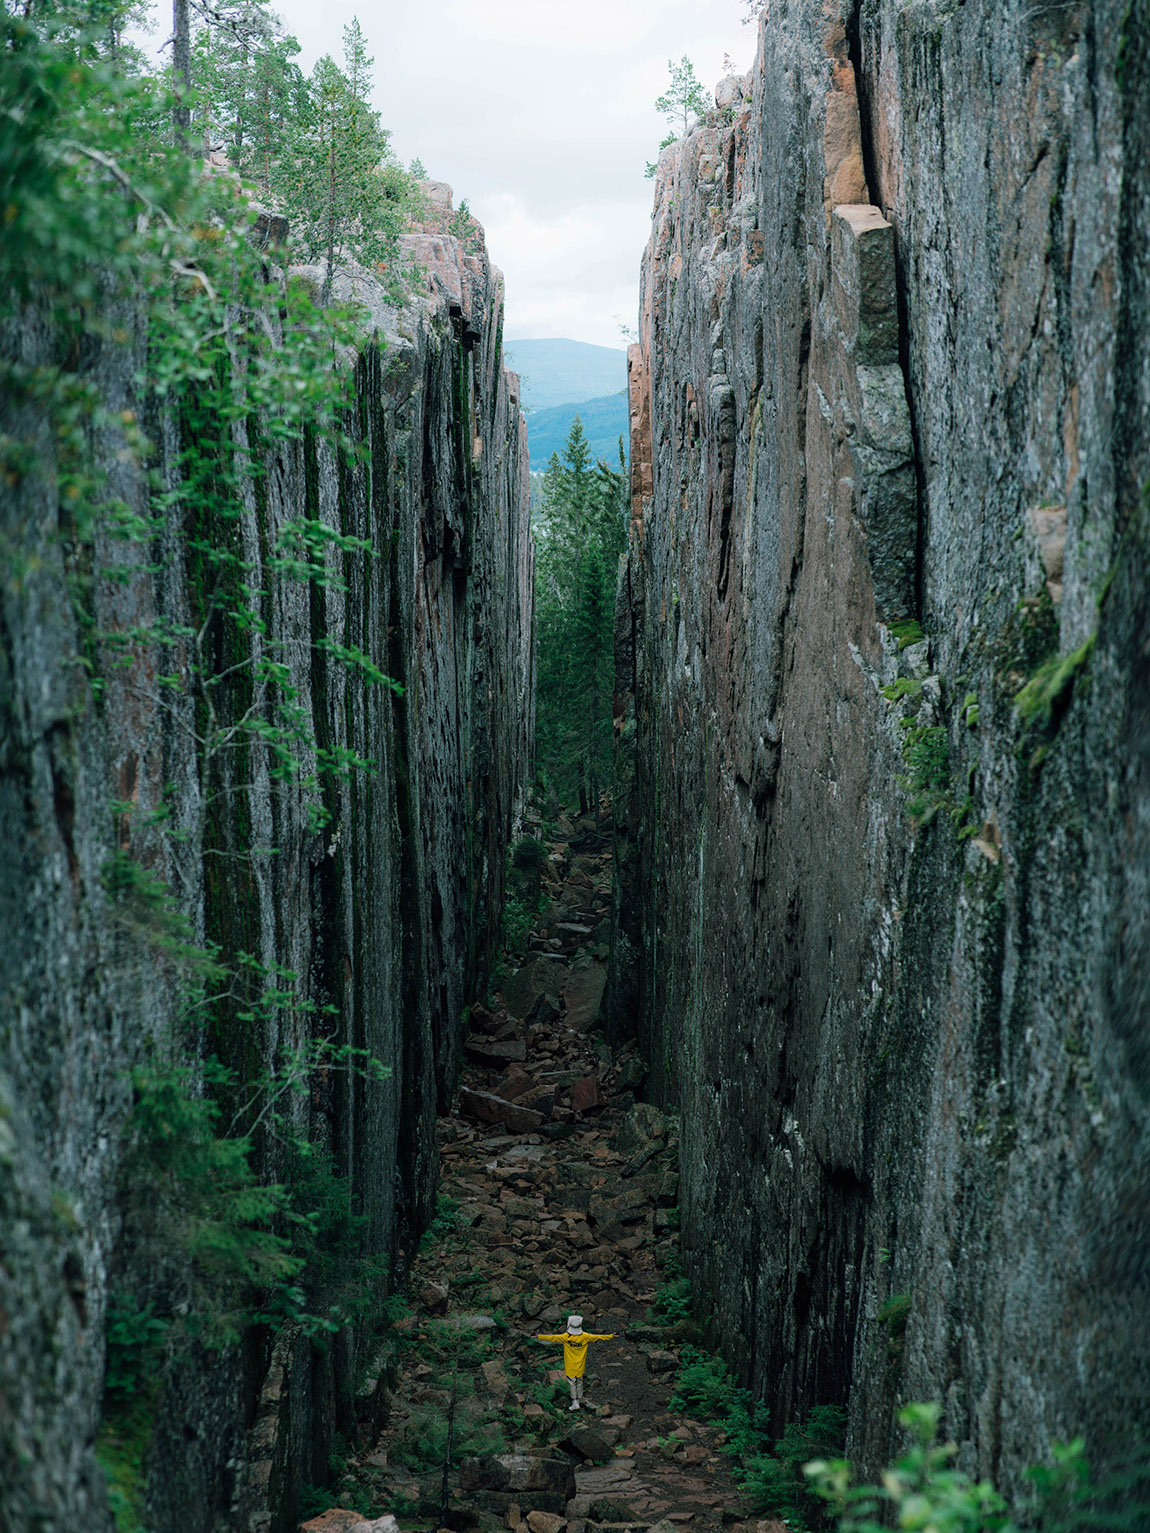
[
  {"x": 560, "y": 372},
  {"x": 604, "y": 422}
]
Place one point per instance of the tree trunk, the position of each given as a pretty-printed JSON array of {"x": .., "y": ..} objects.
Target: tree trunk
[
  {"x": 182, "y": 69},
  {"x": 330, "y": 223}
]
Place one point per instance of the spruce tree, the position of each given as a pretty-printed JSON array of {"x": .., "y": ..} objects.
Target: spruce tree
[{"x": 580, "y": 534}]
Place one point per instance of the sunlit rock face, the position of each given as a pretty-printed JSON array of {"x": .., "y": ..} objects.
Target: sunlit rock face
[
  {"x": 388, "y": 915},
  {"x": 883, "y": 861}
]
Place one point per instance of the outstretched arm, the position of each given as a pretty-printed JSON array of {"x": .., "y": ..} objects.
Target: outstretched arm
[
  {"x": 551, "y": 1338},
  {"x": 590, "y": 1335}
]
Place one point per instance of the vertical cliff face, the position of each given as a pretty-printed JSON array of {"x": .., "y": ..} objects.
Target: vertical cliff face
[
  {"x": 378, "y": 924},
  {"x": 881, "y": 713}
]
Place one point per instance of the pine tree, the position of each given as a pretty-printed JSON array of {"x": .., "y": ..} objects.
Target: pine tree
[
  {"x": 249, "y": 93},
  {"x": 341, "y": 186},
  {"x": 683, "y": 100}
]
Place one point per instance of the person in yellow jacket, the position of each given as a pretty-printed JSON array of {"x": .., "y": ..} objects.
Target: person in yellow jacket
[{"x": 575, "y": 1340}]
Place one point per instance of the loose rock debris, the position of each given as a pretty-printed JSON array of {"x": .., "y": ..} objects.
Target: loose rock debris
[{"x": 564, "y": 1191}]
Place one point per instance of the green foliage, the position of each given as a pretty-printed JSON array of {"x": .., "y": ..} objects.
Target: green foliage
[
  {"x": 907, "y": 631},
  {"x": 902, "y": 687},
  {"x": 705, "y": 1389},
  {"x": 422, "y": 1444},
  {"x": 672, "y": 1301},
  {"x": 1070, "y": 1500},
  {"x": 443, "y": 1225},
  {"x": 1043, "y": 699},
  {"x": 775, "y": 1483},
  {"x": 926, "y": 751},
  {"x": 201, "y": 1201},
  {"x": 580, "y": 533},
  {"x": 685, "y": 98},
  {"x": 924, "y": 1495},
  {"x": 1027, "y": 640},
  {"x": 249, "y": 93},
  {"x": 133, "y": 1346},
  {"x": 769, "y": 1474},
  {"x": 895, "y": 1313},
  {"x": 340, "y": 183},
  {"x": 121, "y": 1451},
  {"x": 144, "y": 905},
  {"x": 231, "y": 1249},
  {"x": 515, "y": 927}
]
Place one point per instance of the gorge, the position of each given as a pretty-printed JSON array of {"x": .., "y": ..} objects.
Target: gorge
[{"x": 825, "y": 1034}]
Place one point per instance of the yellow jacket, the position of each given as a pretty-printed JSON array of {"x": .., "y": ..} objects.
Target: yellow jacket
[{"x": 575, "y": 1350}]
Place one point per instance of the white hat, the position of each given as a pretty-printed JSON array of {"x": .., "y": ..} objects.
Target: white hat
[{"x": 574, "y": 1324}]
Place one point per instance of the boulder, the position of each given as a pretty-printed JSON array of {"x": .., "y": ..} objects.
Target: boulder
[
  {"x": 638, "y": 1127},
  {"x": 495, "y": 1379},
  {"x": 585, "y": 1443},
  {"x": 339, "y": 1520},
  {"x": 659, "y": 1361},
  {"x": 583, "y": 996},
  {"x": 732, "y": 90},
  {"x": 485, "y": 1051},
  {"x": 493, "y": 1109},
  {"x": 434, "y": 1296},
  {"x": 531, "y": 983},
  {"x": 517, "y": 1472},
  {"x": 545, "y": 1522},
  {"x": 585, "y": 1094}
]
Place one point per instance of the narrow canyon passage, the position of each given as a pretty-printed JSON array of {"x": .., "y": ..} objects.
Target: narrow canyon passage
[
  {"x": 319, "y": 1104},
  {"x": 558, "y": 1196}
]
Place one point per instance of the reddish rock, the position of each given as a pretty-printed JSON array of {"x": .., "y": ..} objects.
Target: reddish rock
[
  {"x": 339, "y": 1520},
  {"x": 585, "y": 1095},
  {"x": 493, "y": 1109},
  {"x": 545, "y": 1522}
]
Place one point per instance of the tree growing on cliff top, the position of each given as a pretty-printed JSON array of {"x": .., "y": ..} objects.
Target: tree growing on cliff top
[
  {"x": 684, "y": 99},
  {"x": 341, "y": 185}
]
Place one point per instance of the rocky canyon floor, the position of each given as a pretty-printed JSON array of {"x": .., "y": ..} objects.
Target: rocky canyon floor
[{"x": 558, "y": 1195}]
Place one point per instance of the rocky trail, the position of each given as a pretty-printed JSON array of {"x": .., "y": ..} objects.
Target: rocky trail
[{"x": 558, "y": 1195}]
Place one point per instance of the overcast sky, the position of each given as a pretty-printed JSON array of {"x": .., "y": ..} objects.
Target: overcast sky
[{"x": 541, "y": 113}]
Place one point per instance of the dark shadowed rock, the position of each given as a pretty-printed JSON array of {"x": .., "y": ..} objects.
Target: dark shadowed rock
[
  {"x": 495, "y": 1054},
  {"x": 517, "y": 1472},
  {"x": 585, "y": 1443},
  {"x": 493, "y": 1109},
  {"x": 538, "y": 980},
  {"x": 585, "y": 1094},
  {"x": 583, "y": 996}
]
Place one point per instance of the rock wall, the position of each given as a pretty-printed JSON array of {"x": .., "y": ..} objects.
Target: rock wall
[
  {"x": 884, "y": 795},
  {"x": 388, "y": 914}
]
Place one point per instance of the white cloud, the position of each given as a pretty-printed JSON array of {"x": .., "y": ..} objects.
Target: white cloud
[{"x": 542, "y": 115}]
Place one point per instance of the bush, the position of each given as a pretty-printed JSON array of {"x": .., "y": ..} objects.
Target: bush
[{"x": 672, "y": 1301}]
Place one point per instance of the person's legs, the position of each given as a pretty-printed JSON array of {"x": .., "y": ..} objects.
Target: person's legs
[{"x": 576, "y": 1391}]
